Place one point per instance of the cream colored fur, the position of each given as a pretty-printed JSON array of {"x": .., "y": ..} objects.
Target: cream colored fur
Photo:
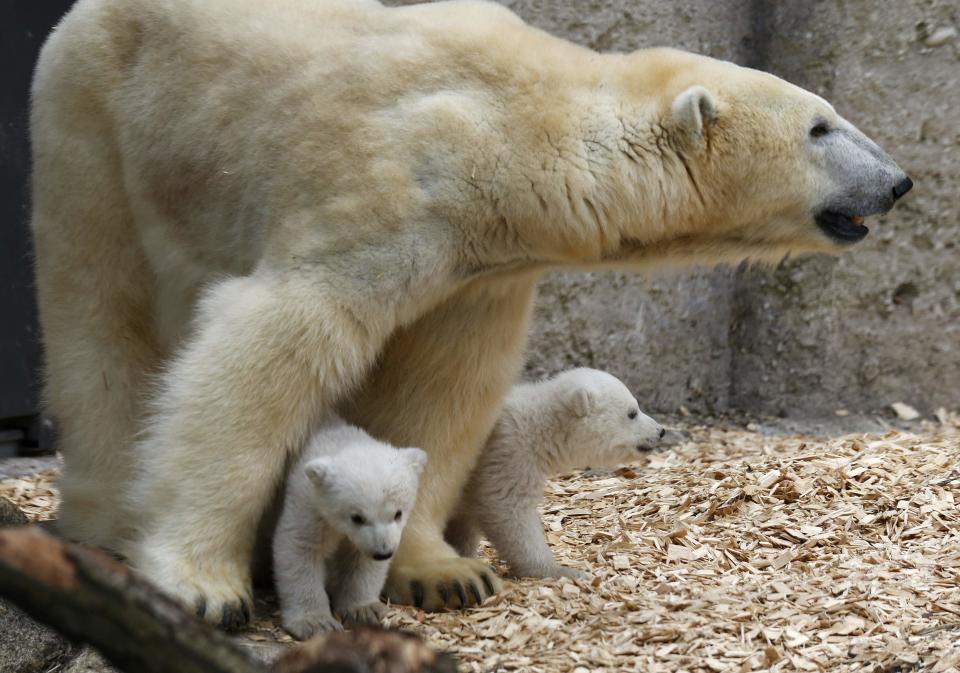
[
  {"x": 248, "y": 212},
  {"x": 345, "y": 504},
  {"x": 576, "y": 419}
]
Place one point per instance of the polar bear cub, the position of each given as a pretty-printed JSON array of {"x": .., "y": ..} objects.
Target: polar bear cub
[
  {"x": 581, "y": 417},
  {"x": 346, "y": 502}
]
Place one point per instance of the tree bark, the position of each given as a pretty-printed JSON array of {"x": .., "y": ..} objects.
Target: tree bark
[{"x": 92, "y": 598}]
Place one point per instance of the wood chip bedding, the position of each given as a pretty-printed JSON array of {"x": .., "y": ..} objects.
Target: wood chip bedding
[{"x": 734, "y": 551}]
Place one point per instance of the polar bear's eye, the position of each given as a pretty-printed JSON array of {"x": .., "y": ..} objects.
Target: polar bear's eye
[
  {"x": 398, "y": 515},
  {"x": 358, "y": 519},
  {"x": 820, "y": 129},
  {"x": 633, "y": 413}
]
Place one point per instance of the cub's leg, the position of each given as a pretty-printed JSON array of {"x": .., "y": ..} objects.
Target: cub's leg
[
  {"x": 300, "y": 568},
  {"x": 95, "y": 298},
  {"x": 357, "y": 583},
  {"x": 439, "y": 385},
  {"x": 519, "y": 540},
  {"x": 271, "y": 351}
]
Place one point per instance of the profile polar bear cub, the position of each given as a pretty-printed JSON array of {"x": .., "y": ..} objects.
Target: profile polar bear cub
[
  {"x": 581, "y": 417},
  {"x": 346, "y": 502}
]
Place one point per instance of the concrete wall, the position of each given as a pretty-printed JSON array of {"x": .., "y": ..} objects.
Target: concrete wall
[
  {"x": 877, "y": 325},
  {"x": 882, "y": 322}
]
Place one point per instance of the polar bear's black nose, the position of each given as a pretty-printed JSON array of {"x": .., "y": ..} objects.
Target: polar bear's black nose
[
  {"x": 663, "y": 431},
  {"x": 382, "y": 557},
  {"x": 902, "y": 188}
]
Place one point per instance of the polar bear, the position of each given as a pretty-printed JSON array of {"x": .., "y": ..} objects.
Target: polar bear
[
  {"x": 346, "y": 502},
  {"x": 581, "y": 417},
  {"x": 248, "y": 214}
]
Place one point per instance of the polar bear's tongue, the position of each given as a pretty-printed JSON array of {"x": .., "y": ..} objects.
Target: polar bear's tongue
[{"x": 856, "y": 219}]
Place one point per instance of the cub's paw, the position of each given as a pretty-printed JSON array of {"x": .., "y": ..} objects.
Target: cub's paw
[
  {"x": 444, "y": 583},
  {"x": 304, "y": 625},
  {"x": 572, "y": 573},
  {"x": 371, "y": 615}
]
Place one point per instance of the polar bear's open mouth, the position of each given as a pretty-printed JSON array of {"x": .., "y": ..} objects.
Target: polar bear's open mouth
[{"x": 843, "y": 228}]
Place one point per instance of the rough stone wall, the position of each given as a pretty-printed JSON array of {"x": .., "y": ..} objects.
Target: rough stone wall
[
  {"x": 881, "y": 323},
  {"x": 876, "y": 325}
]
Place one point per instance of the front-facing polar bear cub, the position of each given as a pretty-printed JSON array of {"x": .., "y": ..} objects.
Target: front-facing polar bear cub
[
  {"x": 578, "y": 418},
  {"x": 347, "y": 500}
]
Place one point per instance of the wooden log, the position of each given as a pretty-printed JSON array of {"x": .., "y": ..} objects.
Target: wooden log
[{"x": 92, "y": 598}]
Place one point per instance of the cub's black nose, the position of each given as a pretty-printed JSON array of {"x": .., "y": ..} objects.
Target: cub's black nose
[
  {"x": 663, "y": 431},
  {"x": 902, "y": 188},
  {"x": 382, "y": 557}
]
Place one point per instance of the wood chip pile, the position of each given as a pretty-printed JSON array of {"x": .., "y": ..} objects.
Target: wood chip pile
[{"x": 734, "y": 551}]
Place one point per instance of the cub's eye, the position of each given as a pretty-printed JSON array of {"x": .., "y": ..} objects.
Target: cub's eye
[
  {"x": 398, "y": 515},
  {"x": 632, "y": 414},
  {"x": 358, "y": 519},
  {"x": 819, "y": 130}
]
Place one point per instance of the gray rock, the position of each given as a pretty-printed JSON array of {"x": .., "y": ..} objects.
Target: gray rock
[
  {"x": 23, "y": 466},
  {"x": 10, "y": 514},
  {"x": 89, "y": 661},
  {"x": 25, "y": 646},
  {"x": 941, "y": 36}
]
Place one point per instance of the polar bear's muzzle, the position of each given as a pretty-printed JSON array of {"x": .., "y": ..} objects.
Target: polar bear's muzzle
[{"x": 864, "y": 181}]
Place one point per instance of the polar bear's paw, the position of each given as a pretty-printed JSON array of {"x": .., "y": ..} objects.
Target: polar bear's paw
[
  {"x": 303, "y": 625},
  {"x": 444, "y": 583},
  {"x": 218, "y": 599},
  {"x": 369, "y": 615},
  {"x": 220, "y": 594}
]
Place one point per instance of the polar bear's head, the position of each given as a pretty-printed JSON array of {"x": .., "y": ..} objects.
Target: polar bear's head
[
  {"x": 366, "y": 493},
  {"x": 604, "y": 426},
  {"x": 750, "y": 166}
]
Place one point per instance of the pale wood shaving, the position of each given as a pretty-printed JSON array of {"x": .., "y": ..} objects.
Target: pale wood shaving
[{"x": 734, "y": 551}]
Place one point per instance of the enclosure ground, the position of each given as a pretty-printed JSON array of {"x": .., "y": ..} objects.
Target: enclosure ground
[{"x": 735, "y": 550}]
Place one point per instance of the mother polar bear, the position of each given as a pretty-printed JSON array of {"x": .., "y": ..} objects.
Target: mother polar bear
[{"x": 248, "y": 213}]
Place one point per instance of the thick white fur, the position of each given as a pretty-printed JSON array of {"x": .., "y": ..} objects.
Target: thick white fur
[
  {"x": 579, "y": 418},
  {"x": 247, "y": 213},
  {"x": 322, "y": 557}
]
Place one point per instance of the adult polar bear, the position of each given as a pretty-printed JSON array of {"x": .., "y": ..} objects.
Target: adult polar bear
[{"x": 246, "y": 213}]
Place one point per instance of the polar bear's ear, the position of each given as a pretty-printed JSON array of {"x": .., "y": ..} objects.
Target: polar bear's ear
[
  {"x": 580, "y": 401},
  {"x": 693, "y": 109},
  {"x": 319, "y": 471},
  {"x": 416, "y": 458}
]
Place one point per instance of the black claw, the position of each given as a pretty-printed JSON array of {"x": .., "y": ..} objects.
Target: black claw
[
  {"x": 476, "y": 593},
  {"x": 458, "y": 588},
  {"x": 245, "y": 612},
  {"x": 226, "y": 619},
  {"x": 201, "y": 608},
  {"x": 444, "y": 593},
  {"x": 416, "y": 588},
  {"x": 488, "y": 584}
]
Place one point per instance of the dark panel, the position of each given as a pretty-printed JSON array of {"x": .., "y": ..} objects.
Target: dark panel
[{"x": 23, "y": 26}]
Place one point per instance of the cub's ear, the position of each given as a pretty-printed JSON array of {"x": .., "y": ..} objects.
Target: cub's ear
[
  {"x": 580, "y": 401},
  {"x": 416, "y": 458},
  {"x": 319, "y": 471},
  {"x": 693, "y": 110}
]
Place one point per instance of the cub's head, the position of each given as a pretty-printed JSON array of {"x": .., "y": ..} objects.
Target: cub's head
[
  {"x": 606, "y": 423},
  {"x": 756, "y": 167},
  {"x": 366, "y": 493}
]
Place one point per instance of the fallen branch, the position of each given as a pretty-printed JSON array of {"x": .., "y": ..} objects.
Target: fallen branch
[{"x": 90, "y": 597}]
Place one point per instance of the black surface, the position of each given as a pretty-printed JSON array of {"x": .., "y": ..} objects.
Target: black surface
[{"x": 23, "y": 26}]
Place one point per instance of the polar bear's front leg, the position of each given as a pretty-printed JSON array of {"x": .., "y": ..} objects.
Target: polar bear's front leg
[
  {"x": 267, "y": 357},
  {"x": 439, "y": 385}
]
